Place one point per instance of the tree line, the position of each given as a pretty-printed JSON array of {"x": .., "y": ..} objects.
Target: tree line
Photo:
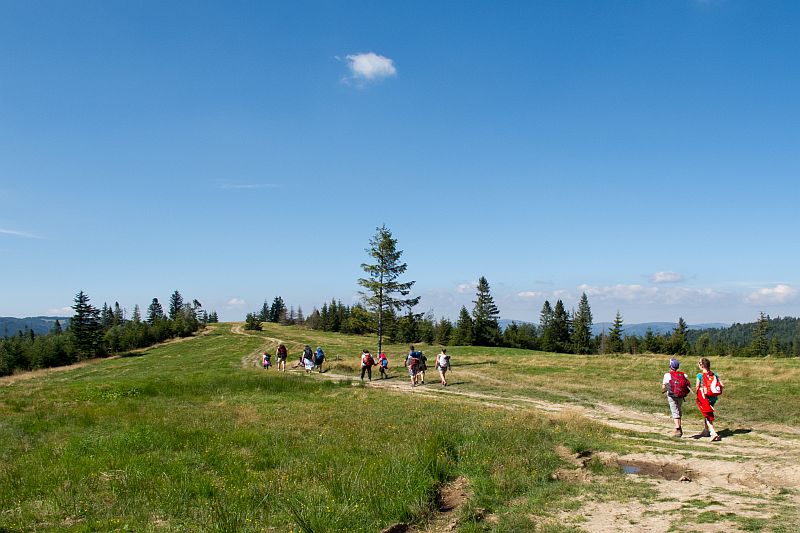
[
  {"x": 387, "y": 310},
  {"x": 98, "y": 332}
]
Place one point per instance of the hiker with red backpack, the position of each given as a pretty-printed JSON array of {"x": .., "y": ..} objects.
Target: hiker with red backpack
[
  {"x": 367, "y": 362},
  {"x": 709, "y": 387},
  {"x": 412, "y": 362},
  {"x": 676, "y": 386}
]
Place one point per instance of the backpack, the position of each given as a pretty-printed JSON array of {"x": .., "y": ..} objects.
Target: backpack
[
  {"x": 413, "y": 362},
  {"x": 369, "y": 360},
  {"x": 712, "y": 384},
  {"x": 678, "y": 385},
  {"x": 320, "y": 356},
  {"x": 384, "y": 363}
]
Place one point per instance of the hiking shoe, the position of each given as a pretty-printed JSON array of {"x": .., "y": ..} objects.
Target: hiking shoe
[
  {"x": 716, "y": 438},
  {"x": 678, "y": 433},
  {"x": 704, "y": 433}
]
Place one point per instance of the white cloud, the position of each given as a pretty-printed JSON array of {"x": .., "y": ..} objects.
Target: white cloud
[
  {"x": 666, "y": 277},
  {"x": 370, "y": 67},
  {"x": 779, "y": 294},
  {"x": 238, "y": 302},
  {"x": 652, "y": 295},
  {"x": 532, "y": 294},
  {"x": 61, "y": 311},
  {"x": 16, "y": 233},
  {"x": 463, "y": 288}
]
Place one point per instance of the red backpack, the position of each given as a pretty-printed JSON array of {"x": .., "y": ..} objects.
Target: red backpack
[
  {"x": 678, "y": 385},
  {"x": 712, "y": 384}
]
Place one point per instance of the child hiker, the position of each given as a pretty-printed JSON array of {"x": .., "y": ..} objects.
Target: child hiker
[
  {"x": 676, "y": 385},
  {"x": 383, "y": 364},
  {"x": 265, "y": 360},
  {"x": 709, "y": 387}
]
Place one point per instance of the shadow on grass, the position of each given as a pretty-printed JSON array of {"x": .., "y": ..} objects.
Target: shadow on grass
[
  {"x": 132, "y": 354},
  {"x": 493, "y": 362},
  {"x": 727, "y": 432}
]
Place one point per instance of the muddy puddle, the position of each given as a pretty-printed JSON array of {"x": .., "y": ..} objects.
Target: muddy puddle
[{"x": 668, "y": 471}]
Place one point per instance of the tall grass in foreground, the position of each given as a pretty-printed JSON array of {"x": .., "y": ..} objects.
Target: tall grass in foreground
[{"x": 184, "y": 438}]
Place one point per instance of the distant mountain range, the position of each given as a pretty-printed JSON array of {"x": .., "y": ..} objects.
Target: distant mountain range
[
  {"x": 10, "y": 326},
  {"x": 659, "y": 328}
]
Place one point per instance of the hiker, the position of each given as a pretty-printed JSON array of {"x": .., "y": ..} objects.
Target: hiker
[
  {"x": 265, "y": 360},
  {"x": 709, "y": 387},
  {"x": 366, "y": 364},
  {"x": 412, "y": 363},
  {"x": 281, "y": 354},
  {"x": 443, "y": 365},
  {"x": 308, "y": 359},
  {"x": 423, "y": 366},
  {"x": 307, "y": 355},
  {"x": 383, "y": 364},
  {"x": 319, "y": 358},
  {"x": 676, "y": 386}
]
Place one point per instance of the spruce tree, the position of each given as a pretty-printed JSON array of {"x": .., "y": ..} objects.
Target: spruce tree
[
  {"x": 251, "y": 322},
  {"x": 464, "y": 334},
  {"x": 119, "y": 314},
  {"x": 443, "y": 331},
  {"x": 582, "y": 327},
  {"x": 278, "y": 310},
  {"x": 382, "y": 290},
  {"x": 677, "y": 342},
  {"x": 213, "y": 318},
  {"x": 85, "y": 326},
  {"x": 560, "y": 328},
  {"x": 136, "y": 318},
  {"x": 264, "y": 315},
  {"x": 57, "y": 328},
  {"x": 485, "y": 316},
  {"x": 154, "y": 312},
  {"x": 546, "y": 326},
  {"x": 759, "y": 345},
  {"x": 614, "y": 341},
  {"x": 175, "y": 304}
]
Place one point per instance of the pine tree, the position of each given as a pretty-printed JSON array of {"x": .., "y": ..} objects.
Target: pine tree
[
  {"x": 212, "y": 318},
  {"x": 464, "y": 334},
  {"x": 300, "y": 318},
  {"x": 119, "y": 314},
  {"x": 546, "y": 326},
  {"x": 154, "y": 312},
  {"x": 443, "y": 331},
  {"x": 382, "y": 292},
  {"x": 136, "y": 318},
  {"x": 485, "y": 316},
  {"x": 264, "y": 315},
  {"x": 57, "y": 328},
  {"x": 175, "y": 304},
  {"x": 251, "y": 322},
  {"x": 614, "y": 341},
  {"x": 85, "y": 326},
  {"x": 106, "y": 316},
  {"x": 560, "y": 328},
  {"x": 277, "y": 311},
  {"x": 582, "y": 327},
  {"x": 760, "y": 346},
  {"x": 677, "y": 342}
]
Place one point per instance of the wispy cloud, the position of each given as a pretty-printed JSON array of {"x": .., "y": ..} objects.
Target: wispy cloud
[
  {"x": 779, "y": 294},
  {"x": 16, "y": 233},
  {"x": 666, "y": 277},
  {"x": 61, "y": 311},
  {"x": 239, "y": 186},
  {"x": 236, "y": 302},
  {"x": 369, "y": 67}
]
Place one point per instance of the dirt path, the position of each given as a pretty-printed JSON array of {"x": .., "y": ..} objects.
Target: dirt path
[{"x": 753, "y": 473}]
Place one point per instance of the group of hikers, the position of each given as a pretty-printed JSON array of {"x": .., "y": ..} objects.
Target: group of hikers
[
  {"x": 309, "y": 360},
  {"x": 675, "y": 383},
  {"x": 708, "y": 388},
  {"x": 416, "y": 362}
]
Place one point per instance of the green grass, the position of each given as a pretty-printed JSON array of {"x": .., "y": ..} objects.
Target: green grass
[{"x": 184, "y": 437}]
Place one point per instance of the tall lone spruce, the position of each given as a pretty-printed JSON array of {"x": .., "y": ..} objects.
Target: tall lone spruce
[
  {"x": 485, "y": 316},
  {"x": 382, "y": 292}
]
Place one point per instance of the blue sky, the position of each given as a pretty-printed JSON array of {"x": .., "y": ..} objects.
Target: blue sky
[{"x": 646, "y": 153}]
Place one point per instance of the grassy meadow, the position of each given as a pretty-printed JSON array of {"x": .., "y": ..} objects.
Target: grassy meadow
[{"x": 194, "y": 436}]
